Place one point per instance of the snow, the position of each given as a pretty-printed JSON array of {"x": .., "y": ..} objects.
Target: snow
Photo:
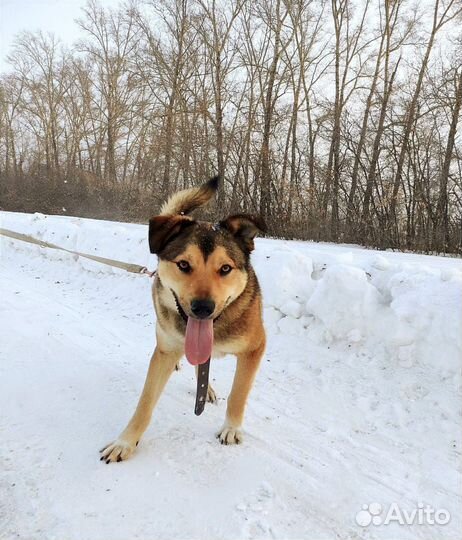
[{"x": 357, "y": 400}]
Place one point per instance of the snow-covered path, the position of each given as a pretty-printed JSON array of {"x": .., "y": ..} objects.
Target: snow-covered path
[{"x": 332, "y": 424}]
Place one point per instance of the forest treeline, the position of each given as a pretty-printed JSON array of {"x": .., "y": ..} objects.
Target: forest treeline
[{"x": 334, "y": 120}]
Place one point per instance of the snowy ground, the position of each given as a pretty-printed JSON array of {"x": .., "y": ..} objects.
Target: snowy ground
[{"x": 357, "y": 401}]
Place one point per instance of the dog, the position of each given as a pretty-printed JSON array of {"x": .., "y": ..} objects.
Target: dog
[{"x": 207, "y": 301}]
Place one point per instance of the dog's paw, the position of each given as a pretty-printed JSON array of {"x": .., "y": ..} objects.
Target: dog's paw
[
  {"x": 119, "y": 450},
  {"x": 230, "y": 435},
  {"x": 211, "y": 396}
]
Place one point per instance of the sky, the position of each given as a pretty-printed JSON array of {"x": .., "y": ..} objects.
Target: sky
[{"x": 56, "y": 16}]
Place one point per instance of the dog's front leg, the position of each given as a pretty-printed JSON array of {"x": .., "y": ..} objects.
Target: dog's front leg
[
  {"x": 246, "y": 369},
  {"x": 160, "y": 368}
]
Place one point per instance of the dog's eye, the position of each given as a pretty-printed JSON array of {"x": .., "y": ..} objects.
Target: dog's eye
[
  {"x": 225, "y": 269},
  {"x": 184, "y": 266}
]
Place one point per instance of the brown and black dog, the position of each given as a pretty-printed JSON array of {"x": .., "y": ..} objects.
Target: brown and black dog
[{"x": 207, "y": 300}]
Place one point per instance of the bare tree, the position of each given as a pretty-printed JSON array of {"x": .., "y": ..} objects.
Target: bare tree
[
  {"x": 443, "y": 13},
  {"x": 441, "y": 222},
  {"x": 331, "y": 127}
]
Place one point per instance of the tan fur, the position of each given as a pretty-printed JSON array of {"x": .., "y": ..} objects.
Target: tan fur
[{"x": 238, "y": 328}]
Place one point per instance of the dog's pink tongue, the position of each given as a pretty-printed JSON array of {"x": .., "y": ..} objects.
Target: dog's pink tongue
[{"x": 198, "y": 340}]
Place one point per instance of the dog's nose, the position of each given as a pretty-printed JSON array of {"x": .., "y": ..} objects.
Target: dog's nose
[{"x": 202, "y": 308}]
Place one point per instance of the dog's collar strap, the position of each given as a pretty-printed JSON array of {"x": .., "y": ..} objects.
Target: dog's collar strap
[
  {"x": 180, "y": 310},
  {"x": 202, "y": 387}
]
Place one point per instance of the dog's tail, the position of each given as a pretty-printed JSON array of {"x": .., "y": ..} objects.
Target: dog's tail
[{"x": 184, "y": 202}]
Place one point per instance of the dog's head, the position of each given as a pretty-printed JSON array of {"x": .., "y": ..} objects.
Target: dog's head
[{"x": 204, "y": 265}]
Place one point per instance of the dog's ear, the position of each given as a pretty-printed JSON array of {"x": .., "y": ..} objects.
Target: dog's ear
[
  {"x": 163, "y": 229},
  {"x": 244, "y": 228}
]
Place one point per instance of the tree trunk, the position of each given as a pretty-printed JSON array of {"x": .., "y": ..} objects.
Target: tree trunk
[
  {"x": 441, "y": 238},
  {"x": 265, "y": 170}
]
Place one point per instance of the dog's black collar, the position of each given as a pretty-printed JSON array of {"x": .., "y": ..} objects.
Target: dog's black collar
[{"x": 180, "y": 310}]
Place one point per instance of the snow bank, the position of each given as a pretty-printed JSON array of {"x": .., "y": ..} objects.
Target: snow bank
[
  {"x": 411, "y": 311},
  {"x": 407, "y": 306},
  {"x": 123, "y": 241}
]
